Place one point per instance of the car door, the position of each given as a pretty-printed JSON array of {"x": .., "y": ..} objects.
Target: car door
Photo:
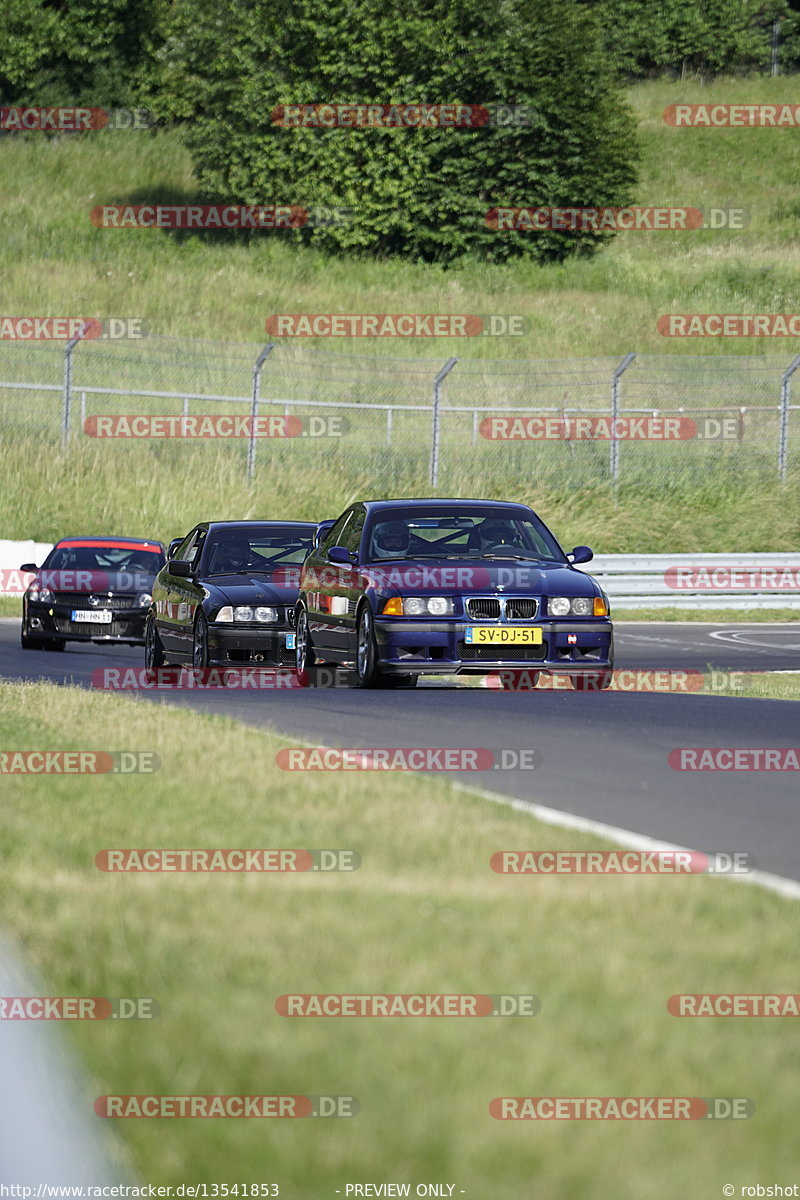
[
  {"x": 321, "y": 577},
  {"x": 176, "y": 606}
]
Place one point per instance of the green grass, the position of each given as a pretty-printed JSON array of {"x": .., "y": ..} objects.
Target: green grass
[
  {"x": 717, "y": 616},
  {"x": 707, "y": 496},
  {"x": 197, "y": 286},
  {"x": 424, "y": 913}
]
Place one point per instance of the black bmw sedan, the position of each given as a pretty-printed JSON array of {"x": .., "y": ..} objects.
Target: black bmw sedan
[
  {"x": 90, "y": 589},
  {"x": 226, "y": 595}
]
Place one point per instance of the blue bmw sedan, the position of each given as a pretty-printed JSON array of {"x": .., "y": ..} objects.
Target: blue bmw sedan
[{"x": 402, "y": 588}]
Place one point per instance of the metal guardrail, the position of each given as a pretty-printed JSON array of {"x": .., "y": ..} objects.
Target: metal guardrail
[{"x": 735, "y": 581}]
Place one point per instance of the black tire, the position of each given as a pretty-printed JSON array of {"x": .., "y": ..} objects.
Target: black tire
[
  {"x": 200, "y": 643},
  {"x": 304, "y": 659},
  {"x": 367, "y": 673},
  {"x": 153, "y": 646},
  {"x": 29, "y": 642}
]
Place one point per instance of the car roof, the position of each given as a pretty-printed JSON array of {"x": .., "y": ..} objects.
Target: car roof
[
  {"x": 437, "y": 502},
  {"x": 110, "y": 540},
  {"x": 248, "y": 524}
]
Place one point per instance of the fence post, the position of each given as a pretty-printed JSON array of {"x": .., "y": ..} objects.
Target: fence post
[
  {"x": 783, "y": 433},
  {"x": 65, "y": 416},
  {"x": 83, "y": 411},
  {"x": 475, "y": 427},
  {"x": 185, "y": 406},
  {"x": 435, "y": 426},
  {"x": 614, "y": 454},
  {"x": 251, "y": 446},
  {"x": 388, "y": 426}
]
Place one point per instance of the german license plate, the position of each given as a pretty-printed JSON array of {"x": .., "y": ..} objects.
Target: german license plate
[
  {"x": 96, "y": 616},
  {"x": 290, "y": 641},
  {"x": 499, "y": 635}
]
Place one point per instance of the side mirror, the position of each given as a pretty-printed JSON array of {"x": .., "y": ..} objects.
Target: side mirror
[
  {"x": 32, "y": 567},
  {"x": 173, "y": 546},
  {"x": 581, "y": 554},
  {"x": 181, "y": 568},
  {"x": 338, "y": 554}
]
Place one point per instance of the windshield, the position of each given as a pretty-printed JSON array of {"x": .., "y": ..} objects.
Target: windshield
[
  {"x": 123, "y": 557},
  {"x": 255, "y": 550},
  {"x": 472, "y": 534}
]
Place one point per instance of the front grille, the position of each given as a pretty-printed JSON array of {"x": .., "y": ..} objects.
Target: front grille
[
  {"x": 510, "y": 653},
  {"x": 521, "y": 608},
  {"x": 507, "y": 608},
  {"x": 126, "y": 627},
  {"x": 483, "y": 608},
  {"x": 81, "y": 600}
]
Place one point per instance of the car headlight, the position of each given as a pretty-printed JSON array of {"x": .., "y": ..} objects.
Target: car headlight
[
  {"x": 578, "y": 606},
  {"x": 247, "y": 614},
  {"x": 558, "y": 606},
  {"x": 144, "y": 600},
  {"x": 266, "y": 614},
  {"x": 418, "y": 606},
  {"x": 40, "y": 595}
]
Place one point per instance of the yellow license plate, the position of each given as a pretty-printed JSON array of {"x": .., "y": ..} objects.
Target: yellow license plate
[{"x": 499, "y": 635}]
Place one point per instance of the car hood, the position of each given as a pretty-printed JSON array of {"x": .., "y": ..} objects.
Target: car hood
[
  {"x": 479, "y": 576},
  {"x": 85, "y": 582},
  {"x": 252, "y": 589}
]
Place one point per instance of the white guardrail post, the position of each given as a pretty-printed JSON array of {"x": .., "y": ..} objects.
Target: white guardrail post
[
  {"x": 783, "y": 434},
  {"x": 615, "y": 378},
  {"x": 436, "y": 422},
  {"x": 251, "y": 445}
]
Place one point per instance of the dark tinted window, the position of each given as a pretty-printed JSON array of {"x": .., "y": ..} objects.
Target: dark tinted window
[
  {"x": 351, "y": 538},
  {"x": 335, "y": 533},
  {"x": 464, "y": 533}
]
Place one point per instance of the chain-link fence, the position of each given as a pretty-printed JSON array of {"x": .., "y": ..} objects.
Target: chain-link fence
[{"x": 454, "y": 425}]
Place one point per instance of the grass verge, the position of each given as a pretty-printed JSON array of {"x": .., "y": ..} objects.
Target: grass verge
[{"x": 424, "y": 913}]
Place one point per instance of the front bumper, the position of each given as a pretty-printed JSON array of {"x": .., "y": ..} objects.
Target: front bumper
[
  {"x": 439, "y": 648},
  {"x": 54, "y": 621},
  {"x": 230, "y": 645}
]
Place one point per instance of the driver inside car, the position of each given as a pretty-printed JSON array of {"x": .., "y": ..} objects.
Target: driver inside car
[
  {"x": 498, "y": 533},
  {"x": 390, "y": 540},
  {"x": 232, "y": 556}
]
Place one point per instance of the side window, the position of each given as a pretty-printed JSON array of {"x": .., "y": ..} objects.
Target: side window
[
  {"x": 351, "y": 538},
  {"x": 334, "y": 534},
  {"x": 189, "y": 549}
]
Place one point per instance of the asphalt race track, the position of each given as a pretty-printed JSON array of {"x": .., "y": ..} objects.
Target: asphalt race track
[{"x": 604, "y": 754}]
